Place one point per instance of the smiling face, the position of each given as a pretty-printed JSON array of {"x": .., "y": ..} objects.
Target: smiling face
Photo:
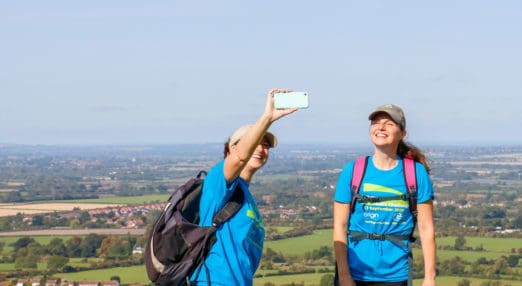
[
  {"x": 260, "y": 156},
  {"x": 384, "y": 132}
]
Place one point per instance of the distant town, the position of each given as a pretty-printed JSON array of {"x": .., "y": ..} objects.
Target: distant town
[
  {"x": 478, "y": 190},
  {"x": 300, "y": 178}
]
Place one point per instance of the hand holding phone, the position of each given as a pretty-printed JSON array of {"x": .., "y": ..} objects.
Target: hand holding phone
[{"x": 293, "y": 99}]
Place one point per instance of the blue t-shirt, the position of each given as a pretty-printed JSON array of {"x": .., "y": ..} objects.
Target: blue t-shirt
[
  {"x": 235, "y": 256},
  {"x": 381, "y": 260}
]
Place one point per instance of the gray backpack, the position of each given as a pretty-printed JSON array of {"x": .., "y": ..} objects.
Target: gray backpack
[{"x": 176, "y": 245}]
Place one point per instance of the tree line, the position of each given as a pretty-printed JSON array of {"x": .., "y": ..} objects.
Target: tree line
[{"x": 27, "y": 252}]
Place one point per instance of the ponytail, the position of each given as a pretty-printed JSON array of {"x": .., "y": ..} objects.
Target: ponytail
[{"x": 407, "y": 150}]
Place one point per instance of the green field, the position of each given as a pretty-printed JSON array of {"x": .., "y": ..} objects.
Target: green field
[
  {"x": 42, "y": 239},
  {"x": 11, "y": 266},
  {"x": 136, "y": 274},
  {"x": 315, "y": 278},
  {"x": 283, "y": 229},
  {"x": 133, "y": 274},
  {"x": 75, "y": 262},
  {"x": 469, "y": 256},
  {"x": 503, "y": 245},
  {"x": 135, "y": 200},
  {"x": 494, "y": 248},
  {"x": 299, "y": 245}
]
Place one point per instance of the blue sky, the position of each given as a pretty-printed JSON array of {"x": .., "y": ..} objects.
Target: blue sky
[{"x": 164, "y": 72}]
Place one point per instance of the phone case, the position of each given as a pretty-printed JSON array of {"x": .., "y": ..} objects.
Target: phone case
[{"x": 294, "y": 99}]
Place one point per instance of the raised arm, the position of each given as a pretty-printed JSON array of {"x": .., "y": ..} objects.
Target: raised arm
[{"x": 245, "y": 147}]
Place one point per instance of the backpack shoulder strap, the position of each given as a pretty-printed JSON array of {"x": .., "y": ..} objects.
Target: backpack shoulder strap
[
  {"x": 230, "y": 208},
  {"x": 359, "y": 168},
  {"x": 410, "y": 178},
  {"x": 225, "y": 213},
  {"x": 184, "y": 190}
]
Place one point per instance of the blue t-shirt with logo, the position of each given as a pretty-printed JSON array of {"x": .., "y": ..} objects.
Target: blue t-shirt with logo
[
  {"x": 381, "y": 260},
  {"x": 235, "y": 256}
]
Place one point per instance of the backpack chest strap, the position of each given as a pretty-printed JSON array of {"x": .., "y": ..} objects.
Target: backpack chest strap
[
  {"x": 373, "y": 199},
  {"x": 397, "y": 239}
]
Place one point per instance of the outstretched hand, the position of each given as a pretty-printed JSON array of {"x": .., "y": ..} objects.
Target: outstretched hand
[{"x": 271, "y": 111}]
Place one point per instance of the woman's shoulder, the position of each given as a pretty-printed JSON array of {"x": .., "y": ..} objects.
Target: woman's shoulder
[
  {"x": 420, "y": 167},
  {"x": 421, "y": 172},
  {"x": 349, "y": 165},
  {"x": 217, "y": 168}
]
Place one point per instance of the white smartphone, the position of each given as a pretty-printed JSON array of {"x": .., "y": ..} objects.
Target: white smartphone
[{"x": 293, "y": 99}]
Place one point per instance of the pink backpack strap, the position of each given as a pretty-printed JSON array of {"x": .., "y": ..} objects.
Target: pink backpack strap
[
  {"x": 359, "y": 168},
  {"x": 411, "y": 183}
]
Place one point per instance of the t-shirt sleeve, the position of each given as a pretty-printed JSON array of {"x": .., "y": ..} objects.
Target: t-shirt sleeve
[
  {"x": 216, "y": 192},
  {"x": 424, "y": 184},
  {"x": 342, "y": 189}
]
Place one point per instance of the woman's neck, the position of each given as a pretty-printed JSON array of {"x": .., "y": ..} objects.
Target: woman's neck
[{"x": 384, "y": 161}]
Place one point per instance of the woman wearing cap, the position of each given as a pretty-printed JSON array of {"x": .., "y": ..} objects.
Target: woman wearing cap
[
  {"x": 372, "y": 244},
  {"x": 235, "y": 256}
]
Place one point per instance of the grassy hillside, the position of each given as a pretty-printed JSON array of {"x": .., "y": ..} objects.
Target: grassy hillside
[{"x": 494, "y": 248}]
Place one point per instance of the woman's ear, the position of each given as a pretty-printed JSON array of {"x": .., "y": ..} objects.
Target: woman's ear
[
  {"x": 404, "y": 133},
  {"x": 232, "y": 149}
]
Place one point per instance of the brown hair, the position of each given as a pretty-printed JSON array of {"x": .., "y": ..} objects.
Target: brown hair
[
  {"x": 411, "y": 151},
  {"x": 226, "y": 149}
]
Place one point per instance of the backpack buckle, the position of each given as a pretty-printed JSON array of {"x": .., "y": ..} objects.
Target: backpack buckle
[
  {"x": 370, "y": 199},
  {"x": 374, "y": 236}
]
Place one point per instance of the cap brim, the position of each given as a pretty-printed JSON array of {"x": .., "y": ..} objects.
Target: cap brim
[
  {"x": 373, "y": 114},
  {"x": 272, "y": 140},
  {"x": 377, "y": 112}
]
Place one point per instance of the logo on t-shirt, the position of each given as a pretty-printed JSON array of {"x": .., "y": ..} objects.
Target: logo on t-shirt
[{"x": 397, "y": 217}]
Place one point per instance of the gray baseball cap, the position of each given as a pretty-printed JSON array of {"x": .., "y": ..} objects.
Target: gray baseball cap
[
  {"x": 272, "y": 139},
  {"x": 393, "y": 111}
]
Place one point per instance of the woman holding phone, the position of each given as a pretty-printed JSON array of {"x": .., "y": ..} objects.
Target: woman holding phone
[{"x": 236, "y": 254}]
